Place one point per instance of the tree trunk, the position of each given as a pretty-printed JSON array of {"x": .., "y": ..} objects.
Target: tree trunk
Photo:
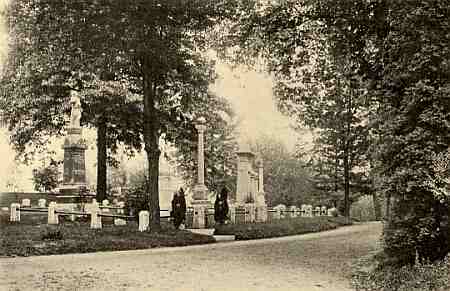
[
  {"x": 346, "y": 184},
  {"x": 376, "y": 206},
  {"x": 101, "y": 159},
  {"x": 388, "y": 207},
  {"x": 151, "y": 141},
  {"x": 348, "y": 104}
]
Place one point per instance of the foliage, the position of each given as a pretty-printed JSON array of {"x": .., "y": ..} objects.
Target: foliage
[
  {"x": 414, "y": 127},
  {"x": 286, "y": 179},
  {"x": 154, "y": 46},
  {"x": 220, "y": 146},
  {"x": 136, "y": 198},
  {"x": 40, "y": 71},
  {"x": 46, "y": 178},
  {"x": 419, "y": 277},
  {"x": 388, "y": 63},
  {"x": 363, "y": 209},
  {"x": 317, "y": 81},
  {"x": 279, "y": 228}
]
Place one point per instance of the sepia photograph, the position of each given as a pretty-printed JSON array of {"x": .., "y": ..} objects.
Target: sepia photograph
[{"x": 229, "y": 145}]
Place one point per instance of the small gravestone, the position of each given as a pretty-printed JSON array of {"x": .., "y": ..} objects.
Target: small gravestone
[
  {"x": 42, "y": 203},
  {"x": 52, "y": 216},
  {"x": 323, "y": 211},
  {"x": 309, "y": 211},
  {"x": 120, "y": 221},
  {"x": 121, "y": 210},
  {"x": 317, "y": 211},
  {"x": 303, "y": 210},
  {"x": 332, "y": 211},
  {"x": 26, "y": 202},
  {"x": 293, "y": 211},
  {"x": 280, "y": 211},
  {"x": 249, "y": 213},
  {"x": 261, "y": 213},
  {"x": 144, "y": 217},
  {"x": 232, "y": 213},
  {"x": 15, "y": 212},
  {"x": 94, "y": 211}
]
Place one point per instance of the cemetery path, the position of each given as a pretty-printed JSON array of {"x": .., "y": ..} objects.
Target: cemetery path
[{"x": 318, "y": 261}]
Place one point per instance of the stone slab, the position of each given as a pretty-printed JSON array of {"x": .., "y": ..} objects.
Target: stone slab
[
  {"x": 221, "y": 238},
  {"x": 204, "y": 231}
]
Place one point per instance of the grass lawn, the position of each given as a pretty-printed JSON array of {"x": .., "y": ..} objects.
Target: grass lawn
[
  {"x": 32, "y": 236},
  {"x": 282, "y": 227}
]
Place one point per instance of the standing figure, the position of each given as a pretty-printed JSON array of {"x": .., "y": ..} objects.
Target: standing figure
[
  {"x": 75, "y": 113},
  {"x": 221, "y": 206},
  {"x": 182, "y": 200},
  {"x": 178, "y": 208}
]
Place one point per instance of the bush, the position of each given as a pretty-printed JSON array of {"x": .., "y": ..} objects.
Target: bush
[
  {"x": 363, "y": 209},
  {"x": 52, "y": 234},
  {"x": 419, "y": 227},
  {"x": 283, "y": 227},
  {"x": 418, "y": 277}
]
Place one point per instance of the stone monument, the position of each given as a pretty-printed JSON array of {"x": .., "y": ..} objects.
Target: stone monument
[
  {"x": 74, "y": 189},
  {"x": 244, "y": 183},
  {"x": 261, "y": 206},
  {"x": 200, "y": 201}
]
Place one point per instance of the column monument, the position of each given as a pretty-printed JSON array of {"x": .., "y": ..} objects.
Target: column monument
[
  {"x": 200, "y": 201},
  {"x": 73, "y": 189},
  {"x": 261, "y": 206}
]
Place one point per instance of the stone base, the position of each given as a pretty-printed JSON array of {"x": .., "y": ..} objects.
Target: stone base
[
  {"x": 200, "y": 210},
  {"x": 200, "y": 192}
]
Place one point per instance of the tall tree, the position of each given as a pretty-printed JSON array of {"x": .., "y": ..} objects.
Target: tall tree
[
  {"x": 286, "y": 178},
  {"x": 316, "y": 79},
  {"x": 153, "y": 43},
  {"x": 37, "y": 80},
  {"x": 220, "y": 146}
]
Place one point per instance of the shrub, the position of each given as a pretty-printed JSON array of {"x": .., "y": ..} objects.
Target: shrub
[
  {"x": 418, "y": 227},
  {"x": 52, "y": 234},
  {"x": 283, "y": 227},
  {"x": 417, "y": 277}
]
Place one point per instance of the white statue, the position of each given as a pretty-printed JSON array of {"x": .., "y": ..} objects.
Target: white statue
[{"x": 75, "y": 114}]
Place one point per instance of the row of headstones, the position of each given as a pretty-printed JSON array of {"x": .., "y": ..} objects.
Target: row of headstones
[
  {"x": 93, "y": 210},
  {"x": 282, "y": 211},
  {"x": 248, "y": 213},
  {"x": 105, "y": 203}
]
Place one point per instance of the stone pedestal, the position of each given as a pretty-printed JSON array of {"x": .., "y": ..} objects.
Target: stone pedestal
[
  {"x": 244, "y": 182},
  {"x": 200, "y": 202},
  {"x": 199, "y": 216},
  {"x": 250, "y": 212},
  {"x": 74, "y": 189},
  {"x": 261, "y": 213}
]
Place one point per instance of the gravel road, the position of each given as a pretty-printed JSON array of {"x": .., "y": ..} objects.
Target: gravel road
[{"x": 319, "y": 261}]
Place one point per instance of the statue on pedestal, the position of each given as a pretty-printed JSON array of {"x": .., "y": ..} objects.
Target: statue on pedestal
[{"x": 75, "y": 113}]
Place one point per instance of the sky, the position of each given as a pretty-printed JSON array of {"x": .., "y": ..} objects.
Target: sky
[{"x": 249, "y": 92}]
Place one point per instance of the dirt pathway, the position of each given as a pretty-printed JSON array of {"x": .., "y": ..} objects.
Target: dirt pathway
[{"x": 319, "y": 261}]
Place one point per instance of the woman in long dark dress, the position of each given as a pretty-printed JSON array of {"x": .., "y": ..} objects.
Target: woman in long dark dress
[
  {"x": 182, "y": 200},
  {"x": 178, "y": 208},
  {"x": 221, "y": 206}
]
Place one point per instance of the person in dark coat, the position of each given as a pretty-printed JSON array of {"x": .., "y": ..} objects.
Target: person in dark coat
[
  {"x": 182, "y": 200},
  {"x": 221, "y": 206},
  {"x": 178, "y": 208},
  {"x": 174, "y": 211}
]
